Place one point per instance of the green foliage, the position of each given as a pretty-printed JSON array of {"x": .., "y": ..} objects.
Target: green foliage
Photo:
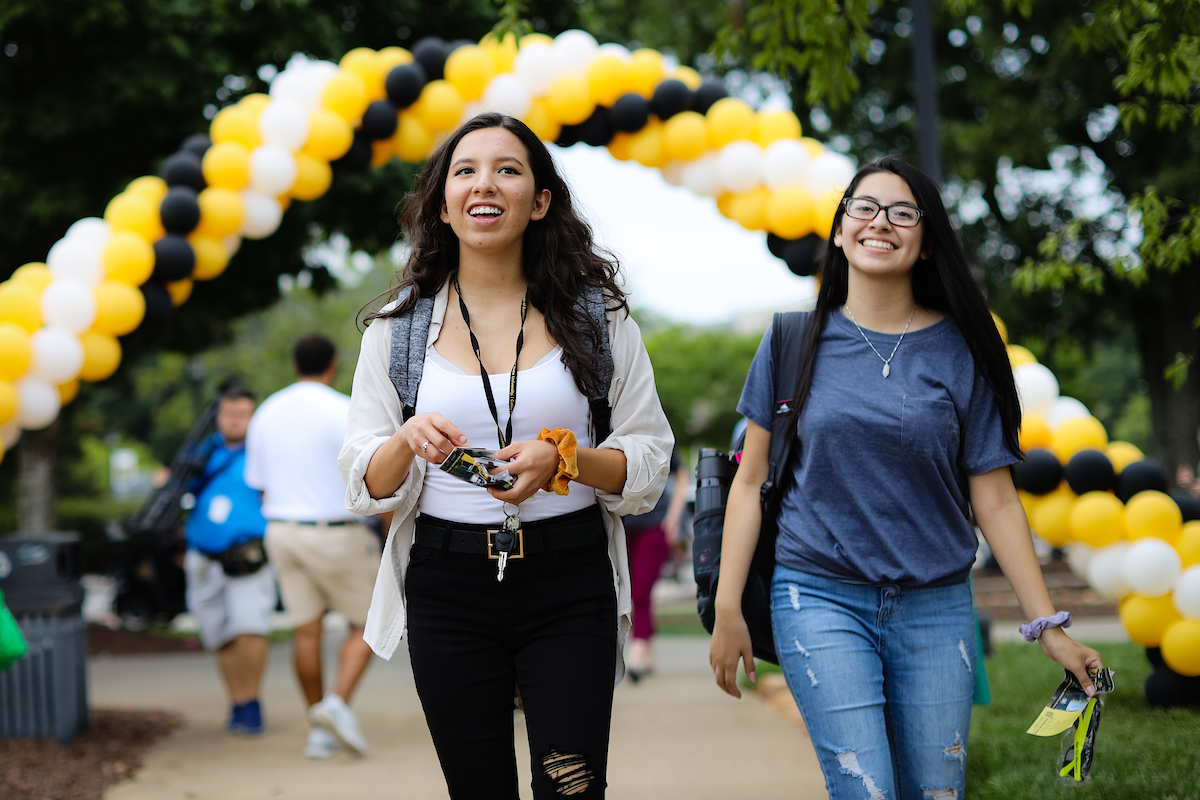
[{"x": 683, "y": 27}]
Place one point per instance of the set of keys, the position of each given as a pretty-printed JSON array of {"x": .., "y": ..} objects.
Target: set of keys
[{"x": 506, "y": 543}]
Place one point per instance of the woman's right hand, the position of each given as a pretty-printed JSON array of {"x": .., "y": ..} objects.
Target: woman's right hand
[
  {"x": 731, "y": 644},
  {"x": 431, "y": 436}
]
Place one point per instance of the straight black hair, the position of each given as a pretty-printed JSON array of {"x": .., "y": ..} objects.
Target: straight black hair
[{"x": 942, "y": 282}]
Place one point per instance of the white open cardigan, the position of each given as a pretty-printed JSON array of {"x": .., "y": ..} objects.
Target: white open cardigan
[{"x": 639, "y": 429}]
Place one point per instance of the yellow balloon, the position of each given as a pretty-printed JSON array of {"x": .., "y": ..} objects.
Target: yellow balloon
[
  {"x": 1001, "y": 327},
  {"x": 1152, "y": 513},
  {"x": 729, "y": 120},
  {"x": 382, "y": 151},
  {"x": 620, "y": 145},
  {"x": 226, "y": 165},
  {"x": 1146, "y": 619},
  {"x": 645, "y": 72},
  {"x": 284, "y": 201},
  {"x": 68, "y": 391},
  {"x": 1122, "y": 454},
  {"x": 1035, "y": 432},
  {"x": 220, "y": 212},
  {"x": 569, "y": 101},
  {"x": 1082, "y": 433},
  {"x": 790, "y": 212},
  {"x": 313, "y": 177},
  {"x": 20, "y": 303},
  {"x": 647, "y": 146},
  {"x": 1188, "y": 543},
  {"x": 35, "y": 274},
  {"x": 413, "y": 141},
  {"x": 366, "y": 64},
  {"x": 607, "y": 78},
  {"x": 771, "y": 126},
  {"x": 236, "y": 124},
  {"x": 254, "y": 103},
  {"x": 540, "y": 121},
  {"x": 390, "y": 57},
  {"x": 346, "y": 95},
  {"x": 128, "y": 258},
  {"x": 1029, "y": 502},
  {"x": 688, "y": 76},
  {"x": 329, "y": 136},
  {"x": 119, "y": 308},
  {"x": 101, "y": 356},
  {"x": 8, "y": 401},
  {"x": 685, "y": 136},
  {"x": 813, "y": 147},
  {"x": 150, "y": 188},
  {"x": 439, "y": 107},
  {"x": 468, "y": 69},
  {"x": 15, "y": 351},
  {"x": 503, "y": 53},
  {"x": 1018, "y": 356},
  {"x": 1052, "y": 518},
  {"x": 536, "y": 38},
  {"x": 1181, "y": 647},
  {"x": 180, "y": 291},
  {"x": 825, "y": 208},
  {"x": 749, "y": 209},
  {"x": 211, "y": 256},
  {"x": 1097, "y": 519},
  {"x": 128, "y": 212}
]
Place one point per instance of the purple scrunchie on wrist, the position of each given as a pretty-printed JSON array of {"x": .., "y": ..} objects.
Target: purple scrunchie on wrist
[{"x": 1032, "y": 631}]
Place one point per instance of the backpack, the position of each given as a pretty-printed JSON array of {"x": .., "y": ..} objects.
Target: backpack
[
  {"x": 714, "y": 472},
  {"x": 410, "y": 337}
]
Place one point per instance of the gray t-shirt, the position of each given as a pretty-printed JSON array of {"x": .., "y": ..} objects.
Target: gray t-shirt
[{"x": 879, "y": 494}]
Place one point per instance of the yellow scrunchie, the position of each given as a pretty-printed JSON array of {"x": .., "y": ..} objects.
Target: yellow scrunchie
[{"x": 568, "y": 461}]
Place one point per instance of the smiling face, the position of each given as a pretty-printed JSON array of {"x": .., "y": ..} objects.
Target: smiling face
[
  {"x": 490, "y": 193},
  {"x": 875, "y": 246}
]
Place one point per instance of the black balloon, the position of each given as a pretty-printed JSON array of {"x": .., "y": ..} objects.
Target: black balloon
[
  {"x": 597, "y": 130},
  {"x": 1189, "y": 506},
  {"x": 183, "y": 169},
  {"x": 670, "y": 98},
  {"x": 777, "y": 244},
  {"x": 404, "y": 84},
  {"x": 708, "y": 93},
  {"x": 1040, "y": 472},
  {"x": 159, "y": 306},
  {"x": 568, "y": 135},
  {"x": 357, "y": 158},
  {"x": 179, "y": 210},
  {"x": 630, "y": 113},
  {"x": 197, "y": 143},
  {"x": 431, "y": 54},
  {"x": 1166, "y": 688},
  {"x": 804, "y": 256},
  {"x": 1139, "y": 477},
  {"x": 379, "y": 120},
  {"x": 174, "y": 258},
  {"x": 1089, "y": 471},
  {"x": 1154, "y": 656}
]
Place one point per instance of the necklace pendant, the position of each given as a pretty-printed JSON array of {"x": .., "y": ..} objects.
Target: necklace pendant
[{"x": 887, "y": 369}]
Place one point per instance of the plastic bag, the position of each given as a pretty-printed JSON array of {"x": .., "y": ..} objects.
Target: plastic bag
[
  {"x": 1076, "y": 716},
  {"x": 12, "y": 643}
]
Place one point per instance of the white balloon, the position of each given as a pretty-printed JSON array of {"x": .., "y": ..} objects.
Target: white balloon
[
  {"x": 829, "y": 171},
  {"x": 785, "y": 163},
  {"x": 1187, "y": 592},
  {"x": 574, "y": 51},
  {"x": 739, "y": 166},
  {"x": 700, "y": 175},
  {"x": 672, "y": 172},
  {"x": 535, "y": 65},
  {"x": 77, "y": 258},
  {"x": 69, "y": 304},
  {"x": 1152, "y": 566},
  {"x": 10, "y": 434},
  {"x": 1037, "y": 388},
  {"x": 38, "y": 403},
  {"x": 1079, "y": 555},
  {"x": 1064, "y": 409},
  {"x": 231, "y": 243},
  {"x": 284, "y": 123},
  {"x": 261, "y": 214},
  {"x": 57, "y": 355},
  {"x": 1106, "y": 574},
  {"x": 508, "y": 94},
  {"x": 272, "y": 169},
  {"x": 613, "y": 49},
  {"x": 302, "y": 83},
  {"x": 471, "y": 110},
  {"x": 91, "y": 229}
]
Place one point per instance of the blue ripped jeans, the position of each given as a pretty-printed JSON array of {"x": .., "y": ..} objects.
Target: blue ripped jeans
[{"x": 884, "y": 677}]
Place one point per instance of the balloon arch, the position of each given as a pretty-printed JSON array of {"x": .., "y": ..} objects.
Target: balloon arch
[{"x": 59, "y": 320}]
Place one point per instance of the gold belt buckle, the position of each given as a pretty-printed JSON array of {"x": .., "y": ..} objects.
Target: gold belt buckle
[{"x": 518, "y": 552}]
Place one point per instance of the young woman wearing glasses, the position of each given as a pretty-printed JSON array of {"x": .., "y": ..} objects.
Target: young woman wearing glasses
[{"x": 907, "y": 421}]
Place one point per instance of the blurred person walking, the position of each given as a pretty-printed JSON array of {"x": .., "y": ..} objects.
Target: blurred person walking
[{"x": 325, "y": 556}]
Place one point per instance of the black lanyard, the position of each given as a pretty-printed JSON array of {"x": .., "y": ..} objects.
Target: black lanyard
[{"x": 504, "y": 436}]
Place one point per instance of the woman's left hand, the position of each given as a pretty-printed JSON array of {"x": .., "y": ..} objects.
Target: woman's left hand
[
  {"x": 1075, "y": 657},
  {"x": 533, "y": 464}
]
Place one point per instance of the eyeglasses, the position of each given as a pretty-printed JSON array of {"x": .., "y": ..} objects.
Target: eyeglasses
[{"x": 901, "y": 215}]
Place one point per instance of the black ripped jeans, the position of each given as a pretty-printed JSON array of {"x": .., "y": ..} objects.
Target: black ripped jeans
[{"x": 548, "y": 630}]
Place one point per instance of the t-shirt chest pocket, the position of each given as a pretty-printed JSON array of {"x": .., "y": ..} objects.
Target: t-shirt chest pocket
[{"x": 929, "y": 427}]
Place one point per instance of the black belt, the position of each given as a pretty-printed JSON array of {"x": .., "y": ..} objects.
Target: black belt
[
  {"x": 577, "y": 529},
  {"x": 333, "y": 524}
]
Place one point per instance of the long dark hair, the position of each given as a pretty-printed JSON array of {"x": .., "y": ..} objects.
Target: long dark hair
[
  {"x": 942, "y": 282},
  {"x": 560, "y": 253}
]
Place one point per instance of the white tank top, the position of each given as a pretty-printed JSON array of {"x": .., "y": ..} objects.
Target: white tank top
[{"x": 546, "y": 398}]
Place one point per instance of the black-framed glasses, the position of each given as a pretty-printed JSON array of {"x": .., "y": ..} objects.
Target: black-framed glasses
[{"x": 902, "y": 215}]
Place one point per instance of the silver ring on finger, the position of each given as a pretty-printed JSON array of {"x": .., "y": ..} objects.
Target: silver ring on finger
[{"x": 424, "y": 448}]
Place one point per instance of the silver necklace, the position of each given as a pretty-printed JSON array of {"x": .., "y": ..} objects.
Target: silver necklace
[{"x": 887, "y": 362}]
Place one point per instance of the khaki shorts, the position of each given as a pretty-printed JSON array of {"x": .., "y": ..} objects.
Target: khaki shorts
[{"x": 324, "y": 567}]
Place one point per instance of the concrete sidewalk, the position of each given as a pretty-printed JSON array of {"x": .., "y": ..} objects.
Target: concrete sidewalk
[{"x": 674, "y": 735}]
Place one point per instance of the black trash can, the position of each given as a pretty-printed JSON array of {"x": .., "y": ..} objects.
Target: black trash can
[{"x": 44, "y": 694}]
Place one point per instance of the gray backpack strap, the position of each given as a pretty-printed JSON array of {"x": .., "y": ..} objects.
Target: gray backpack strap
[
  {"x": 593, "y": 301},
  {"x": 410, "y": 337}
]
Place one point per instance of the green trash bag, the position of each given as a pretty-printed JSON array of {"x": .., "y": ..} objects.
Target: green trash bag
[{"x": 12, "y": 643}]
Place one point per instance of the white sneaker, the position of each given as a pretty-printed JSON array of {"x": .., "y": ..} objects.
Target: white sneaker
[
  {"x": 321, "y": 744},
  {"x": 333, "y": 713}
]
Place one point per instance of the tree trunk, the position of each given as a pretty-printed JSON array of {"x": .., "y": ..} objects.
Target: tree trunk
[{"x": 35, "y": 483}]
